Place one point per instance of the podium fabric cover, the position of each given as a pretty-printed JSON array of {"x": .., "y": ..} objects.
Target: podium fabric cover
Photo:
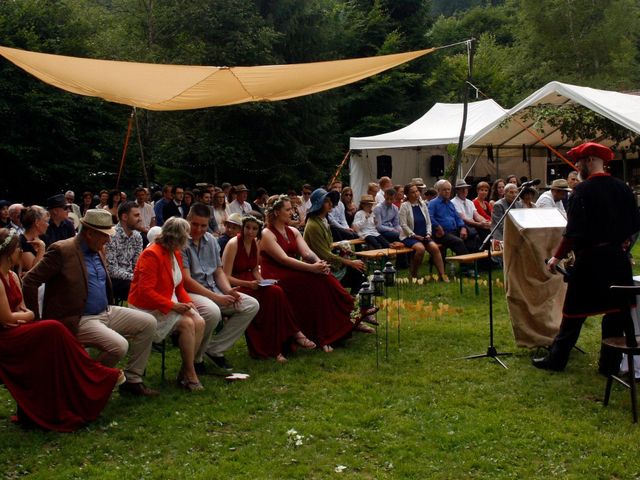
[{"x": 534, "y": 297}]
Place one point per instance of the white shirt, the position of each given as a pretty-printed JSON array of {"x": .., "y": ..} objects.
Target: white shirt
[
  {"x": 243, "y": 208},
  {"x": 146, "y": 214},
  {"x": 379, "y": 197},
  {"x": 546, "y": 201},
  {"x": 465, "y": 208},
  {"x": 364, "y": 223}
]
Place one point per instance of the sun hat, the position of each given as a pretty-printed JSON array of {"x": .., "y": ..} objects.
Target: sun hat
[
  {"x": 99, "y": 220},
  {"x": 241, "y": 188},
  {"x": 235, "y": 219},
  {"x": 590, "y": 149},
  {"x": 318, "y": 197},
  {"x": 367, "y": 199},
  {"x": 460, "y": 183},
  {"x": 418, "y": 182},
  {"x": 559, "y": 184}
]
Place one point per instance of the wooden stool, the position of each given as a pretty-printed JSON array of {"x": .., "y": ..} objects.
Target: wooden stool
[{"x": 619, "y": 344}]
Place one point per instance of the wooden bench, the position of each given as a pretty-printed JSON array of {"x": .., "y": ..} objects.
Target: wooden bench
[
  {"x": 379, "y": 257},
  {"x": 354, "y": 241},
  {"x": 468, "y": 259}
]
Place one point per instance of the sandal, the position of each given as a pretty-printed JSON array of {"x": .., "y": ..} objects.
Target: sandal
[
  {"x": 281, "y": 358},
  {"x": 327, "y": 348},
  {"x": 363, "y": 328},
  {"x": 191, "y": 386},
  {"x": 304, "y": 342}
]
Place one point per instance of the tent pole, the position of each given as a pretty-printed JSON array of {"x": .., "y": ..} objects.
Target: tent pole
[
  {"x": 144, "y": 167},
  {"x": 335, "y": 175},
  {"x": 125, "y": 147},
  {"x": 458, "y": 160}
]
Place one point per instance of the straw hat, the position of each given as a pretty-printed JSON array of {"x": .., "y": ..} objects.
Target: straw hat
[
  {"x": 560, "y": 184},
  {"x": 418, "y": 182},
  {"x": 234, "y": 218},
  {"x": 367, "y": 199},
  {"x": 99, "y": 220}
]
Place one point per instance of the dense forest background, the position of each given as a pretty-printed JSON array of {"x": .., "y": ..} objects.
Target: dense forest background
[{"x": 52, "y": 140}]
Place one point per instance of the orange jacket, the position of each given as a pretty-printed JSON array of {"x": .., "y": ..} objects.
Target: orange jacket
[{"x": 152, "y": 284}]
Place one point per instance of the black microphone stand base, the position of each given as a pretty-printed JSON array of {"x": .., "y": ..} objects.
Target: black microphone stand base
[{"x": 491, "y": 353}]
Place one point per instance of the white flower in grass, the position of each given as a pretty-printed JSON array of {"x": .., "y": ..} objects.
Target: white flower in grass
[
  {"x": 291, "y": 432},
  {"x": 340, "y": 468}
]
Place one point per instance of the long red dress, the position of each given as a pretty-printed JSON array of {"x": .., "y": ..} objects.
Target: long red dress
[
  {"x": 55, "y": 383},
  {"x": 322, "y": 307},
  {"x": 273, "y": 329}
]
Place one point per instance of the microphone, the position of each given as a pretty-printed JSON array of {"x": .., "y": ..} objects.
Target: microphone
[{"x": 531, "y": 183}]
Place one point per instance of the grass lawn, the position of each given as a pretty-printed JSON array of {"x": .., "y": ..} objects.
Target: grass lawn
[{"x": 424, "y": 413}]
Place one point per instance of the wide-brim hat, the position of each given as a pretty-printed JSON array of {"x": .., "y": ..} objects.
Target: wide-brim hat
[
  {"x": 559, "y": 184},
  {"x": 57, "y": 201},
  {"x": 234, "y": 218},
  {"x": 460, "y": 183},
  {"x": 590, "y": 149},
  {"x": 100, "y": 220},
  {"x": 418, "y": 182},
  {"x": 241, "y": 188},
  {"x": 318, "y": 197},
  {"x": 367, "y": 199}
]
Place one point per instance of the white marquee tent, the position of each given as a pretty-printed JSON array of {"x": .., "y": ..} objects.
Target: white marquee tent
[
  {"x": 508, "y": 136},
  {"x": 412, "y": 147}
]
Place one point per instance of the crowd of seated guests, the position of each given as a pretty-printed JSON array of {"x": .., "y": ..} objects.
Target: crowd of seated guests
[{"x": 207, "y": 267}]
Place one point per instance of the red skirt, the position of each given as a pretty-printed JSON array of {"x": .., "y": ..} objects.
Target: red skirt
[{"x": 52, "y": 378}]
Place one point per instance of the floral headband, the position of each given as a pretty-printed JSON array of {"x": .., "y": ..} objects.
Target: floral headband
[
  {"x": 7, "y": 241},
  {"x": 277, "y": 204},
  {"x": 251, "y": 218}
]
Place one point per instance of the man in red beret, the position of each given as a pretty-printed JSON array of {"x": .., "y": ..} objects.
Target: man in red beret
[{"x": 601, "y": 217}]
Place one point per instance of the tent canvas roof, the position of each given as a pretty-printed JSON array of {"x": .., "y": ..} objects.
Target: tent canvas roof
[
  {"x": 621, "y": 108},
  {"x": 439, "y": 126}
]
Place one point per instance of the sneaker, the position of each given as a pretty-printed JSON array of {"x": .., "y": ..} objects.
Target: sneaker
[{"x": 221, "y": 365}]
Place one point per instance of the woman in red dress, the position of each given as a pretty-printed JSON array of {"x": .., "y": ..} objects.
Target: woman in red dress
[
  {"x": 273, "y": 331},
  {"x": 322, "y": 307},
  {"x": 56, "y": 385},
  {"x": 484, "y": 208}
]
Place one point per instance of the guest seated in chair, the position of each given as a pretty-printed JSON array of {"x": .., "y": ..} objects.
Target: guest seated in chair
[
  {"x": 157, "y": 288},
  {"x": 56, "y": 385},
  {"x": 340, "y": 229},
  {"x": 212, "y": 295},
  {"x": 477, "y": 227},
  {"x": 448, "y": 227},
  {"x": 322, "y": 307},
  {"x": 273, "y": 331},
  {"x": 124, "y": 249},
  {"x": 78, "y": 293},
  {"x": 365, "y": 224},
  {"x": 416, "y": 231},
  {"x": 317, "y": 236},
  {"x": 35, "y": 221}
]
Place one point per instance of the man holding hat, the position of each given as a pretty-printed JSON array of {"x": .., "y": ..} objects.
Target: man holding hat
[
  {"x": 60, "y": 227},
  {"x": 601, "y": 217},
  {"x": 555, "y": 196},
  {"x": 78, "y": 292}
]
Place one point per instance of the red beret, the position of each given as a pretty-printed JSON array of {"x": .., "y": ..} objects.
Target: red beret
[{"x": 590, "y": 149}]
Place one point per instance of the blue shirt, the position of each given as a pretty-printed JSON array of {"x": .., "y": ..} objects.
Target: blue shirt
[
  {"x": 202, "y": 261},
  {"x": 96, "y": 282},
  {"x": 443, "y": 214},
  {"x": 387, "y": 219}
]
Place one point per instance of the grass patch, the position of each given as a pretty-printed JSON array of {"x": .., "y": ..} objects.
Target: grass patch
[{"x": 424, "y": 413}]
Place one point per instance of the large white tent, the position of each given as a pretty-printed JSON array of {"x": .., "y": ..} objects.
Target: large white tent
[
  {"x": 507, "y": 135},
  {"x": 412, "y": 147}
]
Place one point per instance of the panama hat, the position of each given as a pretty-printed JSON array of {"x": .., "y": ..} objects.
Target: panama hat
[{"x": 100, "y": 220}]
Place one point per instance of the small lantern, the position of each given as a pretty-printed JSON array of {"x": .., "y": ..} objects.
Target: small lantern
[
  {"x": 378, "y": 283},
  {"x": 366, "y": 296},
  {"x": 389, "y": 275}
]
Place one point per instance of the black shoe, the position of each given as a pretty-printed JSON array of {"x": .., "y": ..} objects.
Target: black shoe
[
  {"x": 545, "y": 363},
  {"x": 200, "y": 368},
  {"x": 221, "y": 365}
]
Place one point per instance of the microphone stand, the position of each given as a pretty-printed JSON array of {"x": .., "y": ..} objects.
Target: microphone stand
[{"x": 492, "y": 352}]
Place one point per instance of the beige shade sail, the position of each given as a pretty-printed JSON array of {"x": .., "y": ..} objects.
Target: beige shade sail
[{"x": 183, "y": 87}]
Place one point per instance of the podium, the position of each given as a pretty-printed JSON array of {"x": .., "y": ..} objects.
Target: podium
[{"x": 534, "y": 296}]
